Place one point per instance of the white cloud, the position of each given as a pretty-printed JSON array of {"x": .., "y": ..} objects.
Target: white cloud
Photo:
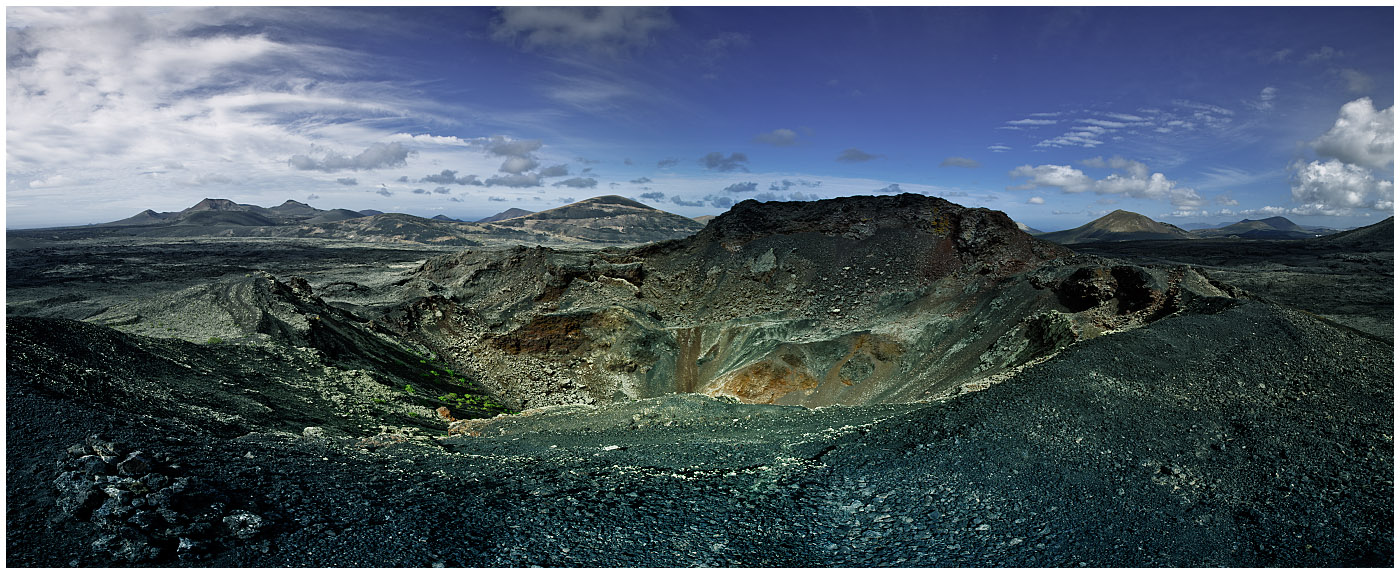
[
  {"x": 378, "y": 155},
  {"x": 1036, "y": 200},
  {"x": 1338, "y": 186},
  {"x": 607, "y": 29},
  {"x": 1135, "y": 169},
  {"x": 999, "y": 148},
  {"x": 1362, "y": 135},
  {"x": 1130, "y": 180},
  {"x": 1066, "y": 178},
  {"x": 1032, "y": 122}
]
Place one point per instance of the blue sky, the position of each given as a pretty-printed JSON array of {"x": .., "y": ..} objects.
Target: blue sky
[{"x": 1053, "y": 115}]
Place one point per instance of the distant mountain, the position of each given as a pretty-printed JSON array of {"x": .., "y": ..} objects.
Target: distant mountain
[
  {"x": 1270, "y": 228},
  {"x": 607, "y": 219},
  {"x": 1028, "y": 229},
  {"x": 1118, "y": 226},
  {"x": 601, "y": 220},
  {"x": 704, "y": 219},
  {"x": 1201, "y": 225},
  {"x": 511, "y": 213}
]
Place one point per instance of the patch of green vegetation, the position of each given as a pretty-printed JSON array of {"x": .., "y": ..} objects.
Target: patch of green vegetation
[
  {"x": 409, "y": 389},
  {"x": 213, "y": 341},
  {"x": 379, "y": 401}
]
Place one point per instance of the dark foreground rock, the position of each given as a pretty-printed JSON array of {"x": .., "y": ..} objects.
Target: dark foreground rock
[{"x": 1254, "y": 436}]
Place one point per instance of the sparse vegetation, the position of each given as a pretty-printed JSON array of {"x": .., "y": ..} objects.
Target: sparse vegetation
[{"x": 213, "y": 341}]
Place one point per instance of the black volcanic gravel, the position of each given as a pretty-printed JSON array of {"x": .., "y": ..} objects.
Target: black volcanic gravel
[{"x": 1257, "y": 436}]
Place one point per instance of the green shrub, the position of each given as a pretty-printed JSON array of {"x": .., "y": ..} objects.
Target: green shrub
[{"x": 213, "y": 341}]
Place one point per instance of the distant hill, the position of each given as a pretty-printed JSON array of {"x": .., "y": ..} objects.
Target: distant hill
[
  {"x": 1028, "y": 229},
  {"x": 601, "y": 220},
  {"x": 607, "y": 219},
  {"x": 335, "y": 215},
  {"x": 511, "y": 213},
  {"x": 1379, "y": 236},
  {"x": 1270, "y": 228},
  {"x": 1202, "y": 225},
  {"x": 1118, "y": 226}
]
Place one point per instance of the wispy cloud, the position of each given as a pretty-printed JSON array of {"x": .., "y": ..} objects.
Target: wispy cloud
[
  {"x": 608, "y": 29},
  {"x": 854, "y": 155}
]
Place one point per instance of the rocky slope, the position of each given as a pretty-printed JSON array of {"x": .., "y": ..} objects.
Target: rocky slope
[
  {"x": 848, "y": 301},
  {"x": 1251, "y": 437},
  {"x": 1117, "y": 226}
]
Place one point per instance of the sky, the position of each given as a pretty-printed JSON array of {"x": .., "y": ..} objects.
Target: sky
[{"x": 1053, "y": 115}]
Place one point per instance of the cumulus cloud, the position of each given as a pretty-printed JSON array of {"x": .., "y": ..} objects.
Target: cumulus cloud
[
  {"x": 312, "y": 196},
  {"x": 608, "y": 29},
  {"x": 641, "y": 180},
  {"x": 455, "y": 199},
  {"x": 787, "y": 184},
  {"x": 1337, "y": 186},
  {"x": 1036, "y": 200},
  {"x": 420, "y": 191},
  {"x": 578, "y": 182},
  {"x": 495, "y": 198},
  {"x": 743, "y": 187},
  {"x": 1225, "y": 199},
  {"x": 514, "y": 180},
  {"x": 959, "y": 162},
  {"x": 780, "y": 137},
  {"x": 442, "y": 190},
  {"x": 384, "y": 191},
  {"x": 1131, "y": 179},
  {"x": 719, "y": 162},
  {"x": 1362, "y": 136},
  {"x": 518, "y": 165},
  {"x": 719, "y": 201},
  {"x": 510, "y": 147},
  {"x": 347, "y": 181},
  {"x": 376, "y": 156},
  {"x": 676, "y": 199},
  {"x": 402, "y": 179},
  {"x": 668, "y": 162},
  {"x": 560, "y": 170},
  {"x": 654, "y": 196},
  {"x": 1136, "y": 169},
  {"x": 892, "y": 188},
  {"x": 853, "y": 155},
  {"x": 447, "y": 176}
]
